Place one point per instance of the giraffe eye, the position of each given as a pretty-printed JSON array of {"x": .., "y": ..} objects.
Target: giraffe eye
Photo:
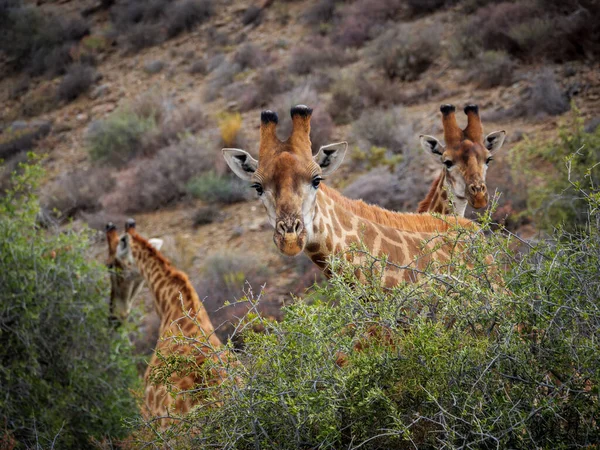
[
  {"x": 448, "y": 163},
  {"x": 258, "y": 187},
  {"x": 316, "y": 181},
  {"x": 489, "y": 160}
]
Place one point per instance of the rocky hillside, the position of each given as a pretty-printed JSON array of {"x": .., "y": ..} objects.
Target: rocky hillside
[{"x": 130, "y": 102}]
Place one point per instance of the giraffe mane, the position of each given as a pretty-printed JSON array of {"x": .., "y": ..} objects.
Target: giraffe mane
[
  {"x": 426, "y": 202},
  {"x": 400, "y": 221}
]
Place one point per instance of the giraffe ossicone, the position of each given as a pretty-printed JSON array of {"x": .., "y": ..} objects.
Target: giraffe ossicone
[
  {"x": 133, "y": 260},
  {"x": 308, "y": 216},
  {"x": 464, "y": 159}
]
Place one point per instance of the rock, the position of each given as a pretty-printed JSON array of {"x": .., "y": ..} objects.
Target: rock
[
  {"x": 104, "y": 108},
  {"x": 153, "y": 67},
  {"x": 82, "y": 117},
  {"x": 100, "y": 91}
]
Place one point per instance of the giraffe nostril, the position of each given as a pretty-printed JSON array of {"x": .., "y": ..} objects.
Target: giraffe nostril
[
  {"x": 297, "y": 226},
  {"x": 472, "y": 189},
  {"x": 483, "y": 188},
  {"x": 281, "y": 228}
]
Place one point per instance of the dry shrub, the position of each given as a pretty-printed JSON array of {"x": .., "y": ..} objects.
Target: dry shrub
[
  {"x": 398, "y": 190},
  {"x": 161, "y": 181},
  {"x": 315, "y": 53},
  {"x": 426, "y": 6},
  {"x": 187, "y": 14},
  {"x": 321, "y": 12},
  {"x": 363, "y": 20},
  {"x": 388, "y": 128},
  {"x": 407, "y": 51},
  {"x": 252, "y": 15},
  {"x": 78, "y": 80},
  {"x": 346, "y": 101},
  {"x": 198, "y": 67},
  {"x": 532, "y": 30},
  {"x": 229, "y": 126},
  {"x": 492, "y": 68},
  {"x": 222, "y": 76},
  {"x": 378, "y": 90},
  {"x": 225, "y": 189},
  {"x": 248, "y": 56},
  {"x": 321, "y": 125},
  {"x": 267, "y": 84},
  {"x": 223, "y": 279},
  {"x": 547, "y": 96},
  {"x": 78, "y": 191}
]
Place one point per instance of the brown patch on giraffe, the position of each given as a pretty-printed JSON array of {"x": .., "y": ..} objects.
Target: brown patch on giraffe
[
  {"x": 321, "y": 225},
  {"x": 329, "y": 243},
  {"x": 390, "y": 281},
  {"x": 313, "y": 247},
  {"x": 344, "y": 218},
  {"x": 320, "y": 260}
]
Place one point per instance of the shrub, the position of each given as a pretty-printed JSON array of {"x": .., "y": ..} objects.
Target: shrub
[
  {"x": 222, "y": 76},
  {"x": 379, "y": 90},
  {"x": 492, "y": 68},
  {"x": 187, "y": 14},
  {"x": 546, "y": 96},
  {"x": 317, "y": 52},
  {"x": 223, "y": 279},
  {"x": 453, "y": 361},
  {"x": 37, "y": 42},
  {"x": 39, "y": 101},
  {"x": 252, "y": 15},
  {"x": 407, "y": 52},
  {"x": 384, "y": 128},
  {"x": 198, "y": 67},
  {"x": 213, "y": 188},
  {"x": 118, "y": 139},
  {"x": 78, "y": 191},
  {"x": 321, "y": 12},
  {"x": 78, "y": 80},
  {"x": 140, "y": 36},
  {"x": 230, "y": 125},
  {"x": 425, "y": 6},
  {"x": 365, "y": 19},
  {"x": 162, "y": 180},
  {"x": 346, "y": 101},
  {"x": 556, "y": 176},
  {"x": 248, "y": 56},
  {"x": 65, "y": 378},
  {"x": 267, "y": 84}
]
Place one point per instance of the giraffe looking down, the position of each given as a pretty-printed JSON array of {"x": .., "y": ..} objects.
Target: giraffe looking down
[
  {"x": 464, "y": 159},
  {"x": 133, "y": 260},
  {"x": 309, "y": 216}
]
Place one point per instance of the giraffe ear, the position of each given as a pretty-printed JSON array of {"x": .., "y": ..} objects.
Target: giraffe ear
[
  {"x": 494, "y": 140},
  {"x": 240, "y": 161},
  {"x": 431, "y": 145},
  {"x": 156, "y": 243},
  {"x": 331, "y": 156}
]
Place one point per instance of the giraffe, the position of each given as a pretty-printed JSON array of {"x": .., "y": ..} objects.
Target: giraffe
[
  {"x": 134, "y": 260},
  {"x": 309, "y": 216},
  {"x": 465, "y": 159}
]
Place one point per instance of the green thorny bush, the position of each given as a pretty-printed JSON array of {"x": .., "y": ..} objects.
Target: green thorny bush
[
  {"x": 459, "y": 359},
  {"x": 560, "y": 174},
  {"x": 64, "y": 378}
]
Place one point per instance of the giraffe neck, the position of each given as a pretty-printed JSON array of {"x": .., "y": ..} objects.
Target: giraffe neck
[
  {"x": 339, "y": 222},
  {"x": 172, "y": 291},
  {"x": 437, "y": 200}
]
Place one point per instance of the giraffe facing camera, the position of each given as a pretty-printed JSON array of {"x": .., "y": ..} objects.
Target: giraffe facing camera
[{"x": 464, "y": 158}]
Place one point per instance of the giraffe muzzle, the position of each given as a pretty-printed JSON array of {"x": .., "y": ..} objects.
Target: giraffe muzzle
[
  {"x": 289, "y": 236},
  {"x": 478, "y": 195}
]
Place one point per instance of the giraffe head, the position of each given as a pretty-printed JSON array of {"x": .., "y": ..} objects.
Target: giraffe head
[
  {"x": 465, "y": 155},
  {"x": 287, "y": 176},
  {"x": 126, "y": 281}
]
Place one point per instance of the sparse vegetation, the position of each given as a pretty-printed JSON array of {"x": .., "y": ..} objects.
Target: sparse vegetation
[
  {"x": 65, "y": 379},
  {"x": 306, "y": 57},
  {"x": 407, "y": 52},
  {"x": 39, "y": 43},
  {"x": 560, "y": 175},
  {"x": 118, "y": 139},
  {"x": 384, "y": 128},
  {"x": 492, "y": 68},
  {"x": 78, "y": 191},
  {"x": 78, "y": 80},
  {"x": 230, "y": 125},
  {"x": 346, "y": 101},
  {"x": 213, "y": 188}
]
